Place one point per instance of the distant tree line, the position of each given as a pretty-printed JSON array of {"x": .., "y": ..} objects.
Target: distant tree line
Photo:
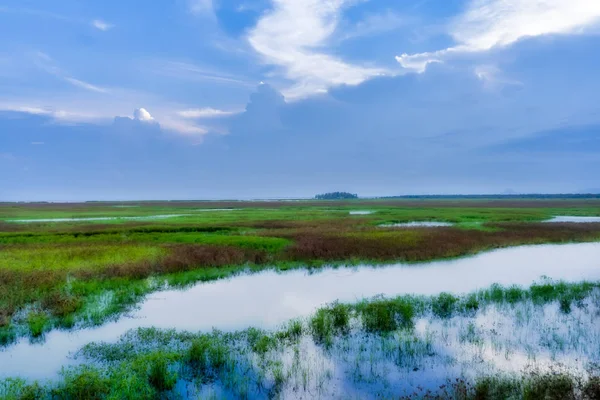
[
  {"x": 499, "y": 196},
  {"x": 336, "y": 196}
]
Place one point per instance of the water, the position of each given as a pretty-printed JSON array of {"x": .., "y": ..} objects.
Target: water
[
  {"x": 142, "y": 218},
  {"x": 573, "y": 219},
  {"x": 360, "y": 212},
  {"x": 269, "y": 299},
  {"x": 216, "y": 209},
  {"x": 429, "y": 224}
]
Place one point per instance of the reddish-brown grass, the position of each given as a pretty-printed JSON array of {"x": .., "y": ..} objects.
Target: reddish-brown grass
[{"x": 429, "y": 243}]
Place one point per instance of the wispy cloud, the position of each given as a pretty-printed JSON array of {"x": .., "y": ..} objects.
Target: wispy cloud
[
  {"x": 192, "y": 72},
  {"x": 183, "y": 127},
  {"x": 487, "y": 24},
  {"x": 292, "y": 36},
  {"x": 85, "y": 85},
  {"x": 101, "y": 25},
  {"x": 376, "y": 24},
  {"x": 492, "y": 77},
  {"x": 60, "y": 114},
  {"x": 46, "y": 62},
  {"x": 205, "y": 113},
  {"x": 7, "y": 156}
]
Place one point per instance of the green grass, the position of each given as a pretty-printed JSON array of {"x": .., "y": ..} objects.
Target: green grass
[
  {"x": 74, "y": 257},
  {"x": 67, "y": 270}
]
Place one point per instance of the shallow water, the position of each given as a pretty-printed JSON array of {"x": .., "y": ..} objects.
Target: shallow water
[
  {"x": 269, "y": 299},
  {"x": 498, "y": 340},
  {"x": 144, "y": 217},
  {"x": 360, "y": 212},
  {"x": 573, "y": 219},
  {"x": 411, "y": 224},
  {"x": 216, "y": 209}
]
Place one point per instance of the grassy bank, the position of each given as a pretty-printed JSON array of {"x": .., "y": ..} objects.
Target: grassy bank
[
  {"x": 407, "y": 347},
  {"x": 55, "y": 274}
]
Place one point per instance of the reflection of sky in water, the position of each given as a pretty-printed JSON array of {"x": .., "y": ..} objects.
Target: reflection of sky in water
[
  {"x": 140, "y": 218},
  {"x": 427, "y": 224},
  {"x": 269, "y": 299},
  {"x": 498, "y": 339},
  {"x": 573, "y": 219},
  {"x": 360, "y": 212}
]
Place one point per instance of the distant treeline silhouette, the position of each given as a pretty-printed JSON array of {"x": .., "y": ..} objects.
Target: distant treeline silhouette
[
  {"x": 498, "y": 196},
  {"x": 336, "y": 196}
]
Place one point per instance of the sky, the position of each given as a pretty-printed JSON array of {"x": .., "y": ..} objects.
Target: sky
[{"x": 223, "y": 99}]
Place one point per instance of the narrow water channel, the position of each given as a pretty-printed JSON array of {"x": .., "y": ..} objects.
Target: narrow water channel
[{"x": 269, "y": 299}]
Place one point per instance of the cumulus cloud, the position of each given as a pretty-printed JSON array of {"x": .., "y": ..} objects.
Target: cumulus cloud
[
  {"x": 487, "y": 24},
  {"x": 101, "y": 25},
  {"x": 141, "y": 114},
  {"x": 201, "y": 113},
  {"x": 292, "y": 35}
]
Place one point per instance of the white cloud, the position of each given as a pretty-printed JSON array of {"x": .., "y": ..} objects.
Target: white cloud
[
  {"x": 292, "y": 36},
  {"x": 61, "y": 115},
  {"x": 101, "y": 25},
  {"x": 141, "y": 114},
  {"x": 491, "y": 76},
  {"x": 418, "y": 62},
  {"x": 182, "y": 127},
  {"x": 376, "y": 24},
  {"x": 85, "y": 85},
  {"x": 489, "y": 23},
  {"x": 494, "y": 23},
  {"x": 45, "y": 62},
  {"x": 207, "y": 112},
  {"x": 192, "y": 72}
]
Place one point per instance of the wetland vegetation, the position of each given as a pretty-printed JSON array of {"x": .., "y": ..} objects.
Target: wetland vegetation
[
  {"x": 77, "y": 265},
  {"x": 496, "y": 343}
]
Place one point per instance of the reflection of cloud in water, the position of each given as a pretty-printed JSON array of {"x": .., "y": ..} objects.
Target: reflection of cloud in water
[
  {"x": 437, "y": 351},
  {"x": 139, "y": 218},
  {"x": 269, "y": 299},
  {"x": 573, "y": 219},
  {"x": 416, "y": 224}
]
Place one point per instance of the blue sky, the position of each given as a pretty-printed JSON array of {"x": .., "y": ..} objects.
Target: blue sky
[{"x": 281, "y": 98}]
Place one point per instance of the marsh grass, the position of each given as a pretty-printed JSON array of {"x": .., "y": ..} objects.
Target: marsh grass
[
  {"x": 63, "y": 268},
  {"x": 37, "y": 322}
]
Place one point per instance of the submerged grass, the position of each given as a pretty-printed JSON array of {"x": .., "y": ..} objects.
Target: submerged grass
[{"x": 152, "y": 363}]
